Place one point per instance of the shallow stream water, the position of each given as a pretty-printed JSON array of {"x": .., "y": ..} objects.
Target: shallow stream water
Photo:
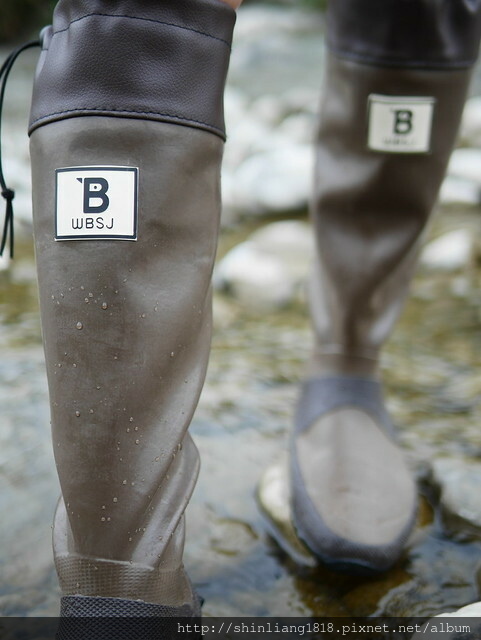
[{"x": 432, "y": 368}]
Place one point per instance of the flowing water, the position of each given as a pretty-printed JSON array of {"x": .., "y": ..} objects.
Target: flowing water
[{"x": 432, "y": 368}]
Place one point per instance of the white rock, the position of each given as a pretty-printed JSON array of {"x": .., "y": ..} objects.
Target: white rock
[
  {"x": 4, "y": 260},
  {"x": 458, "y": 191},
  {"x": 449, "y": 252},
  {"x": 460, "y": 484},
  {"x": 254, "y": 22},
  {"x": 258, "y": 281},
  {"x": 298, "y": 128},
  {"x": 434, "y": 629},
  {"x": 466, "y": 163},
  {"x": 268, "y": 108},
  {"x": 235, "y": 105},
  {"x": 291, "y": 242},
  {"x": 470, "y": 131},
  {"x": 305, "y": 99},
  {"x": 269, "y": 269},
  {"x": 244, "y": 139},
  {"x": 275, "y": 181},
  {"x": 472, "y": 610}
]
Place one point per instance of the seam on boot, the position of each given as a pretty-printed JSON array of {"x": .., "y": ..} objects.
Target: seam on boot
[{"x": 120, "y": 15}]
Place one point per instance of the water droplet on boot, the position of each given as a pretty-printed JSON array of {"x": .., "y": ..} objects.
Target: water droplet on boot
[
  {"x": 77, "y": 413},
  {"x": 104, "y": 305},
  {"x": 79, "y": 325}
]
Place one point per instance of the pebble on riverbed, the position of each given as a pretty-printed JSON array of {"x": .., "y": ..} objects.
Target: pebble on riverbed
[
  {"x": 459, "y": 482},
  {"x": 274, "y": 181},
  {"x": 450, "y": 252},
  {"x": 268, "y": 270},
  {"x": 470, "y": 130}
]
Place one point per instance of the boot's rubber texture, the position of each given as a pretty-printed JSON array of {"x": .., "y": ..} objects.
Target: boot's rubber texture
[
  {"x": 396, "y": 81},
  {"x": 350, "y": 518},
  {"x": 86, "y": 607},
  {"x": 164, "y": 61},
  {"x": 126, "y": 324},
  {"x": 370, "y": 207},
  {"x": 406, "y": 33},
  {"x": 327, "y": 394}
]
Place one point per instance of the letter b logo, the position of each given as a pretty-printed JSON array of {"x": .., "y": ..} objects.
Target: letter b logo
[
  {"x": 403, "y": 121},
  {"x": 95, "y": 190},
  {"x": 96, "y": 202}
]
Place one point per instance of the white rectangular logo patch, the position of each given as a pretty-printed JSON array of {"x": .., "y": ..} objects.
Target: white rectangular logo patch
[
  {"x": 399, "y": 124},
  {"x": 95, "y": 203}
]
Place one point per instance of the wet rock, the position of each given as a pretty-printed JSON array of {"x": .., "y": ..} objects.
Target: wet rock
[
  {"x": 247, "y": 137},
  {"x": 276, "y": 181},
  {"x": 458, "y": 191},
  {"x": 449, "y": 252},
  {"x": 466, "y": 164},
  {"x": 452, "y": 629},
  {"x": 258, "y": 281},
  {"x": 472, "y": 610},
  {"x": 273, "y": 496},
  {"x": 235, "y": 106},
  {"x": 289, "y": 241},
  {"x": 303, "y": 99},
  {"x": 268, "y": 109},
  {"x": 269, "y": 268},
  {"x": 459, "y": 481},
  {"x": 298, "y": 127},
  {"x": 4, "y": 262},
  {"x": 255, "y": 21}
]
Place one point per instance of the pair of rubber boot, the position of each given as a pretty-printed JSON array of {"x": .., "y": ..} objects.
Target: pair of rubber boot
[{"x": 127, "y": 136}]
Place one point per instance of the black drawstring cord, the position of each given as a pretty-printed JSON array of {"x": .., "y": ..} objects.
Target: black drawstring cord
[{"x": 7, "y": 193}]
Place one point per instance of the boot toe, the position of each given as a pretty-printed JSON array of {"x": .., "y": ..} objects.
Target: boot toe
[{"x": 353, "y": 497}]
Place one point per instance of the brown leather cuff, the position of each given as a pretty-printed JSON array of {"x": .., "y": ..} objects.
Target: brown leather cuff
[
  {"x": 164, "y": 61},
  {"x": 428, "y": 34}
]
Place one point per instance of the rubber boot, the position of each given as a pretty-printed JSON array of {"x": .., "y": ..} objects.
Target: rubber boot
[
  {"x": 127, "y": 135},
  {"x": 395, "y": 85}
]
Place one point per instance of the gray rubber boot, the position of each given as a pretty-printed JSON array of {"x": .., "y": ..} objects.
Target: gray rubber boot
[
  {"x": 396, "y": 80},
  {"x": 127, "y": 137}
]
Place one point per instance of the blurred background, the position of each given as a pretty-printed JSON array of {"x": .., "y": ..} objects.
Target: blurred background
[{"x": 432, "y": 364}]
